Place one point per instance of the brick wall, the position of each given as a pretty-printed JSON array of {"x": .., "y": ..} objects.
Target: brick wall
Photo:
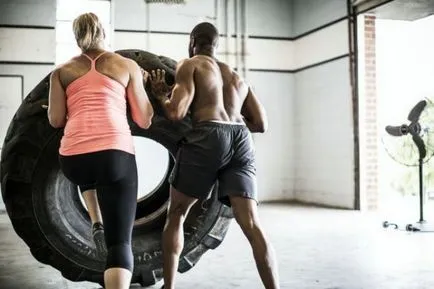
[{"x": 370, "y": 115}]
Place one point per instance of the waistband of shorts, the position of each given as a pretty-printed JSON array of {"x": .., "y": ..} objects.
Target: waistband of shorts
[{"x": 219, "y": 123}]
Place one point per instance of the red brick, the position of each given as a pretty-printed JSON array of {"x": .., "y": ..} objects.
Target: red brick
[
  {"x": 369, "y": 28},
  {"x": 370, "y": 117}
]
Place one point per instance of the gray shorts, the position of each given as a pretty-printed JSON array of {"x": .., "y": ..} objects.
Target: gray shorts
[{"x": 213, "y": 152}]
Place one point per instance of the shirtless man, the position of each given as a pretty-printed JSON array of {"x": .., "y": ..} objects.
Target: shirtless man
[{"x": 219, "y": 147}]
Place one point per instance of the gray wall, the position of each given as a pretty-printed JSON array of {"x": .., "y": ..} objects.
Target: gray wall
[
  {"x": 23, "y": 47},
  {"x": 28, "y": 12},
  {"x": 266, "y": 18},
  {"x": 311, "y": 14},
  {"x": 131, "y": 14},
  {"x": 270, "y": 18}
]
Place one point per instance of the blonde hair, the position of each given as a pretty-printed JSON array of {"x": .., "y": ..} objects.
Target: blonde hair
[{"x": 88, "y": 31}]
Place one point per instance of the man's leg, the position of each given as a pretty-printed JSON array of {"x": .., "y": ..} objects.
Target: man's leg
[
  {"x": 173, "y": 234},
  {"x": 246, "y": 214}
]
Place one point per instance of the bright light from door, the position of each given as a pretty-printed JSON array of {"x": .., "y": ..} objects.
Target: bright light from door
[{"x": 67, "y": 11}]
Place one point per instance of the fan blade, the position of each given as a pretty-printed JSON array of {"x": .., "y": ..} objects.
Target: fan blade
[
  {"x": 394, "y": 130},
  {"x": 420, "y": 145},
  {"x": 414, "y": 114}
]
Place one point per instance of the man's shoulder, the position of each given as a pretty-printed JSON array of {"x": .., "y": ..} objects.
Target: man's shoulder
[
  {"x": 186, "y": 61},
  {"x": 186, "y": 64},
  {"x": 225, "y": 67}
]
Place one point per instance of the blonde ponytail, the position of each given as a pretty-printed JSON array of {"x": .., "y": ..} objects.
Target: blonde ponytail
[{"x": 88, "y": 31}]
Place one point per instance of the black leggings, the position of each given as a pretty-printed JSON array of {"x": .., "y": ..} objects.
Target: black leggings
[{"x": 113, "y": 174}]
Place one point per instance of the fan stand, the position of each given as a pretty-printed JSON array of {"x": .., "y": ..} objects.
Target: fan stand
[
  {"x": 421, "y": 225},
  {"x": 414, "y": 128}
]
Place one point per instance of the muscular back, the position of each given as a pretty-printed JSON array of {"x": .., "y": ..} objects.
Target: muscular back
[
  {"x": 219, "y": 91},
  {"x": 110, "y": 64}
]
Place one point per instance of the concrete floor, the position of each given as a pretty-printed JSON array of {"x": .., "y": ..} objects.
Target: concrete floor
[{"x": 317, "y": 249}]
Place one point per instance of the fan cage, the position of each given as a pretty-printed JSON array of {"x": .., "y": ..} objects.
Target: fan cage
[{"x": 412, "y": 163}]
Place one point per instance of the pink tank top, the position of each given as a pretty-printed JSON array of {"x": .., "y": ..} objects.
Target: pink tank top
[{"x": 97, "y": 118}]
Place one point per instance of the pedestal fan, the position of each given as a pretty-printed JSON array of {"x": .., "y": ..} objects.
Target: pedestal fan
[{"x": 412, "y": 144}]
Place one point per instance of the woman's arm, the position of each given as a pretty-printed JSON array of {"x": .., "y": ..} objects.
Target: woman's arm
[{"x": 56, "y": 101}]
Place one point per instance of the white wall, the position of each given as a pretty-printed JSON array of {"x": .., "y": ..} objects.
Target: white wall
[
  {"x": 29, "y": 52},
  {"x": 322, "y": 45},
  {"x": 152, "y": 163},
  {"x": 324, "y": 129},
  {"x": 275, "y": 149},
  {"x": 324, "y": 144}
]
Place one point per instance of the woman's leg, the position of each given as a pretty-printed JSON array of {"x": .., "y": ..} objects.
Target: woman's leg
[
  {"x": 115, "y": 174},
  {"x": 118, "y": 203},
  {"x": 91, "y": 202}
]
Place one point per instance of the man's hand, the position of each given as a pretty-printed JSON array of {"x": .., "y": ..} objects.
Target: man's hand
[{"x": 160, "y": 88}]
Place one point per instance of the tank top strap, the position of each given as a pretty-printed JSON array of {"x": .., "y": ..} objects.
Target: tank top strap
[
  {"x": 92, "y": 61},
  {"x": 99, "y": 55}
]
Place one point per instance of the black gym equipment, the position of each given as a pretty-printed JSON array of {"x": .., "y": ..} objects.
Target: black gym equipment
[
  {"x": 46, "y": 211},
  {"x": 415, "y": 152}
]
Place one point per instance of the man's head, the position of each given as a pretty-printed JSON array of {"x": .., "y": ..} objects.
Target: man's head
[{"x": 203, "y": 38}]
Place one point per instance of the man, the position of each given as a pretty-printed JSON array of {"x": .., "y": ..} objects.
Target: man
[{"x": 218, "y": 148}]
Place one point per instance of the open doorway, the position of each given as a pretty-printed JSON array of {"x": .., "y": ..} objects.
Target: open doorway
[{"x": 395, "y": 72}]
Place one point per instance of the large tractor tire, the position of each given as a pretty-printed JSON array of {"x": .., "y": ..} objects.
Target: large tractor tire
[{"x": 46, "y": 211}]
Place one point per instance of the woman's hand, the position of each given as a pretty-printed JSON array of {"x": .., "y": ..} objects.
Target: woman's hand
[{"x": 145, "y": 75}]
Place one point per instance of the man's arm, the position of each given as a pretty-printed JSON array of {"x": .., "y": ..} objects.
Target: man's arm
[
  {"x": 254, "y": 113},
  {"x": 177, "y": 106},
  {"x": 56, "y": 101}
]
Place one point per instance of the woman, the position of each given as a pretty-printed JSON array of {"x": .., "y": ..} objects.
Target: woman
[{"x": 88, "y": 97}]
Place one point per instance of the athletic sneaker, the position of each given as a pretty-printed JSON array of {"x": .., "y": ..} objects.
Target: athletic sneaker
[{"x": 99, "y": 240}]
